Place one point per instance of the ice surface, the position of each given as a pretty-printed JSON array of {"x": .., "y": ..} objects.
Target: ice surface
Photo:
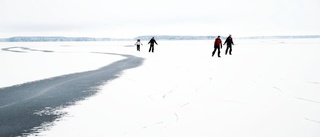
[{"x": 266, "y": 88}]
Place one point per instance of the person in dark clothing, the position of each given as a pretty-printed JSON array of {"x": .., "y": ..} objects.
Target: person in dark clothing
[
  {"x": 151, "y": 42},
  {"x": 138, "y": 43},
  {"x": 229, "y": 43},
  {"x": 217, "y": 45}
]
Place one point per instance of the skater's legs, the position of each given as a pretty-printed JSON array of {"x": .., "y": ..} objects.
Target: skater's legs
[
  {"x": 151, "y": 48},
  {"x": 214, "y": 51},
  {"x": 227, "y": 49}
]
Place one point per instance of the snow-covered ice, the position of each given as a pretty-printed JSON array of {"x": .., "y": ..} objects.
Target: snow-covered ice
[{"x": 268, "y": 87}]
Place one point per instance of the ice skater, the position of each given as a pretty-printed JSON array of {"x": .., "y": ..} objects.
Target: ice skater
[
  {"x": 138, "y": 43},
  {"x": 229, "y": 42},
  {"x": 151, "y": 42},
  {"x": 217, "y": 45}
]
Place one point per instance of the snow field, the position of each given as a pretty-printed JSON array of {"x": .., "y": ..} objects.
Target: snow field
[{"x": 266, "y": 88}]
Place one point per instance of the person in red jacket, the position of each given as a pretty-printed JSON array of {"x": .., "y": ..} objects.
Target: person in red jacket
[{"x": 217, "y": 45}]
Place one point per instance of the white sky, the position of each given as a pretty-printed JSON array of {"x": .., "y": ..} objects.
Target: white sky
[{"x": 128, "y": 18}]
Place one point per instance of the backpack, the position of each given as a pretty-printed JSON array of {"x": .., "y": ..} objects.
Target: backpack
[{"x": 217, "y": 42}]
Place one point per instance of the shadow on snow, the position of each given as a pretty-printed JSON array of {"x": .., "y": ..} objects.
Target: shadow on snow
[
  {"x": 27, "y": 106},
  {"x": 23, "y": 49}
]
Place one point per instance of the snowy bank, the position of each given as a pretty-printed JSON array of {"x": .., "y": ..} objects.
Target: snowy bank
[{"x": 266, "y": 88}]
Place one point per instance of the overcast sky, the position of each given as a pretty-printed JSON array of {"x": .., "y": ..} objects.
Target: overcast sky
[{"x": 131, "y": 18}]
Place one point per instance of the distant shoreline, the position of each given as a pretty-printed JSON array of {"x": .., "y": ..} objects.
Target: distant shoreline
[{"x": 147, "y": 37}]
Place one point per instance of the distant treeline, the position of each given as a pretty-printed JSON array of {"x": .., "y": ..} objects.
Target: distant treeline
[
  {"x": 148, "y": 37},
  {"x": 176, "y": 37},
  {"x": 282, "y": 37},
  {"x": 50, "y": 39}
]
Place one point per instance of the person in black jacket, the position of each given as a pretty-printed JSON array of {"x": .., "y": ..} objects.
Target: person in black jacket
[
  {"x": 229, "y": 43},
  {"x": 151, "y": 42}
]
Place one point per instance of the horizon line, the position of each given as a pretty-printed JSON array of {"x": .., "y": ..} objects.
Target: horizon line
[{"x": 53, "y": 36}]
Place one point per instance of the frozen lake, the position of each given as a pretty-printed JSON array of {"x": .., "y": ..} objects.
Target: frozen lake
[{"x": 268, "y": 87}]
